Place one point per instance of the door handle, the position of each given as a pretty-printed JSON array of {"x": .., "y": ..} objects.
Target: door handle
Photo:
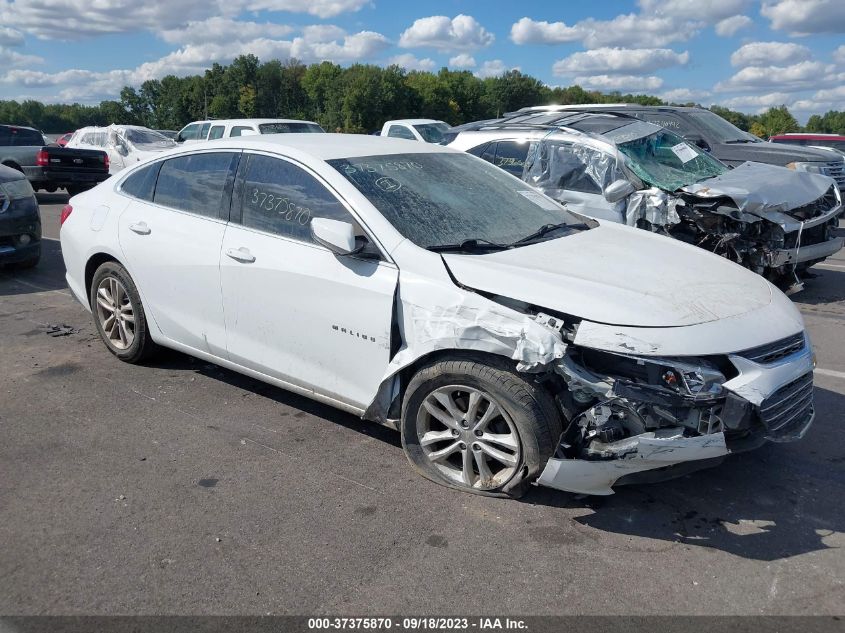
[
  {"x": 241, "y": 254},
  {"x": 140, "y": 228}
]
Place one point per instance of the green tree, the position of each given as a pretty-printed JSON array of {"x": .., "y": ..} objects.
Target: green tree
[{"x": 778, "y": 121}]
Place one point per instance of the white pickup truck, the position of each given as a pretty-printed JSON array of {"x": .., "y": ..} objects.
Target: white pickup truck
[{"x": 428, "y": 130}]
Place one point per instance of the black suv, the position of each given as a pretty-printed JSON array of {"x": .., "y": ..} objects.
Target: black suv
[{"x": 721, "y": 138}]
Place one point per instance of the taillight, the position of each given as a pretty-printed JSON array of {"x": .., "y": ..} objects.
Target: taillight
[
  {"x": 106, "y": 160},
  {"x": 42, "y": 159},
  {"x": 66, "y": 211}
]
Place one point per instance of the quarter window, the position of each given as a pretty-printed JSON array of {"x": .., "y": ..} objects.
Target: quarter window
[
  {"x": 238, "y": 130},
  {"x": 195, "y": 183},
  {"x": 280, "y": 198},
  {"x": 400, "y": 131},
  {"x": 142, "y": 183}
]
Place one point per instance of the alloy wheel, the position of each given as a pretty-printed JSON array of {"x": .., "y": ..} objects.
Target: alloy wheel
[
  {"x": 468, "y": 437},
  {"x": 115, "y": 313}
]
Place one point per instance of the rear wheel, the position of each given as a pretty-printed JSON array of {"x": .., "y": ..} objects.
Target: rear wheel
[
  {"x": 119, "y": 314},
  {"x": 478, "y": 426}
]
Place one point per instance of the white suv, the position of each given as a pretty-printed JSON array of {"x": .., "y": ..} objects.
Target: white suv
[
  {"x": 211, "y": 130},
  {"x": 510, "y": 340}
]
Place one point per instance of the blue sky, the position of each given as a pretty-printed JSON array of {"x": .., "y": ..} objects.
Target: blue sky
[{"x": 746, "y": 54}]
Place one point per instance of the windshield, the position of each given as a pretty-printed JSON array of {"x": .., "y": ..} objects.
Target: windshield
[
  {"x": 441, "y": 199},
  {"x": 721, "y": 130},
  {"x": 432, "y": 132},
  {"x": 666, "y": 161},
  {"x": 289, "y": 127},
  {"x": 146, "y": 137}
]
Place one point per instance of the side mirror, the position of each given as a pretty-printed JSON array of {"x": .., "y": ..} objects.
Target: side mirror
[
  {"x": 338, "y": 237},
  {"x": 697, "y": 140},
  {"x": 618, "y": 189}
]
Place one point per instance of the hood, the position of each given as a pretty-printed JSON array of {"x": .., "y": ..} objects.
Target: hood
[
  {"x": 770, "y": 153},
  {"x": 762, "y": 189},
  {"x": 617, "y": 275}
]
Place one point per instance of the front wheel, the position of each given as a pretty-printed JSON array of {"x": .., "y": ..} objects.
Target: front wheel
[
  {"x": 478, "y": 426},
  {"x": 119, "y": 314}
]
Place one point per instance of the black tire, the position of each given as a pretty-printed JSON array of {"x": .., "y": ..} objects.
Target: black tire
[
  {"x": 142, "y": 345},
  {"x": 529, "y": 407}
]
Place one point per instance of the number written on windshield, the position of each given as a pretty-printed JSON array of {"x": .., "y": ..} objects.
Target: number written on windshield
[{"x": 281, "y": 205}]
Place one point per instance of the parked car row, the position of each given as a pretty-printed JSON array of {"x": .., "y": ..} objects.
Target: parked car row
[
  {"x": 511, "y": 339},
  {"x": 773, "y": 220}
]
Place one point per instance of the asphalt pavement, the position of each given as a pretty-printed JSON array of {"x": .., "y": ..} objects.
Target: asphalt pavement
[{"x": 179, "y": 487}]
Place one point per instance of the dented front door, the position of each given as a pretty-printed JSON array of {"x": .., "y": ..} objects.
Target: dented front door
[{"x": 294, "y": 310}]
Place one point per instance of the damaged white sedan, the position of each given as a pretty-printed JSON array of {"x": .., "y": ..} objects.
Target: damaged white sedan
[{"x": 509, "y": 340}]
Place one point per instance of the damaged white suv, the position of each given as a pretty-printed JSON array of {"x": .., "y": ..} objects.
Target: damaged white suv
[
  {"x": 776, "y": 221},
  {"x": 510, "y": 340}
]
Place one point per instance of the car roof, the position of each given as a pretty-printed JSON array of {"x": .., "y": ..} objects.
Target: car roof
[
  {"x": 810, "y": 136},
  {"x": 603, "y": 106},
  {"x": 414, "y": 121},
  {"x": 250, "y": 121},
  {"x": 324, "y": 146},
  {"x": 18, "y": 127}
]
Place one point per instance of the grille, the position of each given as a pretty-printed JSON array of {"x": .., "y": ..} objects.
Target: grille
[
  {"x": 817, "y": 207},
  {"x": 790, "y": 407},
  {"x": 771, "y": 352},
  {"x": 836, "y": 170}
]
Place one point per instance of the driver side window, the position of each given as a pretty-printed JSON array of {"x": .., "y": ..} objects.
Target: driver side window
[{"x": 280, "y": 198}]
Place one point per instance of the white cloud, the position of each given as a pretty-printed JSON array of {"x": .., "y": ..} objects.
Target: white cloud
[
  {"x": 462, "y": 60},
  {"x": 623, "y": 30},
  {"x": 630, "y": 83},
  {"x": 770, "y": 54},
  {"x": 222, "y": 30},
  {"x": 607, "y": 61},
  {"x": 710, "y": 11},
  {"x": 322, "y": 33},
  {"x": 730, "y": 26},
  {"x": 802, "y": 76},
  {"x": 803, "y": 17},
  {"x": 684, "y": 95},
  {"x": 462, "y": 33},
  {"x": 637, "y": 30},
  {"x": 493, "y": 68},
  {"x": 764, "y": 101},
  {"x": 839, "y": 55},
  {"x": 320, "y": 8},
  {"x": 10, "y": 37},
  {"x": 528, "y": 31},
  {"x": 13, "y": 59},
  {"x": 410, "y": 62},
  {"x": 76, "y": 19},
  {"x": 357, "y": 47}
]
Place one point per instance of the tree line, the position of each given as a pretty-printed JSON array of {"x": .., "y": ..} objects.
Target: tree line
[{"x": 358, "y": 98}]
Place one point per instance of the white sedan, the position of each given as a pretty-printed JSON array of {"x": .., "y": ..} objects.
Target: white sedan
[{"x": 509, "y": 340}]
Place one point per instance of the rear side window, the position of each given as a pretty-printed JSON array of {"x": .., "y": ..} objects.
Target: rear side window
[
  {"x": 400, "y": 131},
  {"x": 204, "y": 131},
  {"x": 281, "y": 198},
  {"x": 142, "y": 183},
  {"x": 238, "y": 130},
  {"x": 195, "y": 183},
  {"x": 216, "y": 132},
  {"x": 5, "y": 135},
  {"x": 22, "y": 137}
]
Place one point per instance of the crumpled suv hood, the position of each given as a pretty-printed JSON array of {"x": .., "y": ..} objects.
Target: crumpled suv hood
[
  {"x": 764, "y": 189},
  {"x": 617, "y": 275}
]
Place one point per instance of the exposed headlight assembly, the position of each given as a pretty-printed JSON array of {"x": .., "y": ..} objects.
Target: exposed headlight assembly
[
  {"x": 14, "y": 190},
  {"x": 813, "y": 168},
  {"x": 695, "y": 378}
]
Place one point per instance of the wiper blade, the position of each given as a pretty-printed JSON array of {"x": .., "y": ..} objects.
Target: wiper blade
[
  {"x": 546, "y": 228},
  {"x": 471, "y": 245},
  {"x": 740, "y": 140}
]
